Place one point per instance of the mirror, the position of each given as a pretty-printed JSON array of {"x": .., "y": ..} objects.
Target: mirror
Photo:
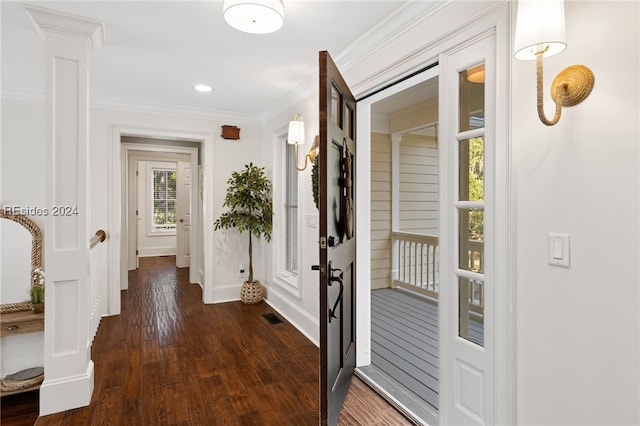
[{"x": 19, "y": 234}]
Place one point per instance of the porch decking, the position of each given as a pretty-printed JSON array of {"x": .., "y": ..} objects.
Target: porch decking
[{"x": 405, "y": 350}]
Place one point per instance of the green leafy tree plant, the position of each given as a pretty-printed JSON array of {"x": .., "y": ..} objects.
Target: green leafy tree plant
[{"x": 249, "y": 200}]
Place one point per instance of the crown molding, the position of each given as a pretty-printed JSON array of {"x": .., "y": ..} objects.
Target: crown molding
[
  {"x": 401, "y": 21},
  {"x": 46, "y": 20},
  {"x": 394, "y": 26},
  {"x": 25, "y": 95},
  {"x": 301, "y": 92},
  {"x": 172, "y": 110}
]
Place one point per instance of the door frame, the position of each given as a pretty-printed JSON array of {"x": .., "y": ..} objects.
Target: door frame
[
  {"x": 496, "y": 19},
  {"x": 135, "y": 156},
  {"x": 363, "y": 216},
  {"x": 131, "y": 149},
  {"x": 202, "y": 273}
]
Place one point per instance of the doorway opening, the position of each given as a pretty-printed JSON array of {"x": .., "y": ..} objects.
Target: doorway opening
[
  {"x": 404, "y": 248},
  {"x": 162, "y": 205},
  {"x": 201, "y": 246},
  {"x": 159, "y": 205}
]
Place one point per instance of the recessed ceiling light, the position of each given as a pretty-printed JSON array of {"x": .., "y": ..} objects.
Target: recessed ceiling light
[{"x": 202, "y": 88}]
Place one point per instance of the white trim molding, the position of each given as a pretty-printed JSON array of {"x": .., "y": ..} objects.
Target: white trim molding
[
  {"x": 284, "y": 279},
  {"x": 117, "y": 169},
  {"x": 66, "y": 393},
  {"x": 305, "y": 323}
]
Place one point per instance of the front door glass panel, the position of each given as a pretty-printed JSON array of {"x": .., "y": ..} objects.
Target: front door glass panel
[{"x": 470, "y": 204}]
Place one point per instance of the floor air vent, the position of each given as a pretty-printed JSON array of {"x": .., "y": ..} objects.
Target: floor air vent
[{"x": 272, "y": 318}]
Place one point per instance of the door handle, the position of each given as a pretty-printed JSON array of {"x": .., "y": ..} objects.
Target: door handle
[
  {"x": 181, "y": 220},
  {"x": 331, "y": 280}
]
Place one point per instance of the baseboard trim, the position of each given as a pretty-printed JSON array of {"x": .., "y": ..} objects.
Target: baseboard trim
[
  {"x": 156, "y": 251},
  {"x": 66, "y": 393},
  {"x": 227, "y": 293},
  {"x": 302, "y": 320}
]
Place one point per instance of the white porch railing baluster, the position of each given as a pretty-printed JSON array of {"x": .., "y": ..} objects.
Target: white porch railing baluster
[{"x": 418, "y": 256}]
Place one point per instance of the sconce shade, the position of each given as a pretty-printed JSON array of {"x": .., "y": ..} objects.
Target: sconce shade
[
  {"x": 539, "y": 27},
  {"x": 296, "y": 131},
  {"x": 254, "y": 16}
]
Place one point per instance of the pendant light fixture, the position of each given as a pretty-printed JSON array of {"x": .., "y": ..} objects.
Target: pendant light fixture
[{"x": 254, "y": 16}]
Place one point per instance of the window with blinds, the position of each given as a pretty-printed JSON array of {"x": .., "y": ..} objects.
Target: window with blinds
[{"x": 163, "y": 203}]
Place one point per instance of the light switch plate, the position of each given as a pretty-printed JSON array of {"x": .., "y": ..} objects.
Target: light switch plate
[
  {"x": 559, "y": 249},
  {"x": 311, "y": 220}
]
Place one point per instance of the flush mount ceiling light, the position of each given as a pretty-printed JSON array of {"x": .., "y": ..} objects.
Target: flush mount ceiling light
[
  {"x": 202, "y": 88},
  {"x": 475, "y": 74},
  {"x": 254, "y": 16}
]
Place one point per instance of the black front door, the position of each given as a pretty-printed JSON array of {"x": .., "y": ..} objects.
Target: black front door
[{"x": 337, "y": 239}]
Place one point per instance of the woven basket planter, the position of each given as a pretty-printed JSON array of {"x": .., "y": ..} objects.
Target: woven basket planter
[
  {"x": 251, "y": 293},
  {"x": 22, "y": 380}
]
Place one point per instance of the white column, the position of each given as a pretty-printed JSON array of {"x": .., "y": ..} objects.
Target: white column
[
  {"x": 396, "y": 138},
  {"x": 67, "y": 359}
]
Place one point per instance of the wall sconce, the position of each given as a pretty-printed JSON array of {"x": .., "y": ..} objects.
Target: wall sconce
[
  {"x": 296, "y": 137},
  {"x": 540, "y": 33}
]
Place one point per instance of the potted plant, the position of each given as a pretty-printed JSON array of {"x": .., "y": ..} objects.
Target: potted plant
[
  {"x": 36, "y": 291},
  {"x": 250, "y": 209}
]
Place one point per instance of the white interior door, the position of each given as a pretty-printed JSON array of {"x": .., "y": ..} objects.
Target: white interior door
[
  {"x": 183, "y": 214},
  {"x": 467, "y": 87},
  {"x": 132, "y": 212}
]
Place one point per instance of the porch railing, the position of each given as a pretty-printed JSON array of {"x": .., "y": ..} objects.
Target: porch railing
[
  {"x": 416, "y": 262},
  {"x": 416, "y": 266}
]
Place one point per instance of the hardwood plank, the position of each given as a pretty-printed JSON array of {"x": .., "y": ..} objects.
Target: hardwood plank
[
  {"x": 364, "y": 407},
  {"x": 169, "y": 359},
  {"x": 18, "y": 409}
]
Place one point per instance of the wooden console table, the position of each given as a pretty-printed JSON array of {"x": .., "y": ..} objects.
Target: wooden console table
[{"x": 13, "y": 323}]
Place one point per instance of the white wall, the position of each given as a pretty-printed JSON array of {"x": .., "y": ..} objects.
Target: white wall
[
  {"x": 229, "y": 247},
  {"x": 300, "y": 305},
  {"x": 22, "y": 166},
  {"x": 578, "y": 328}
]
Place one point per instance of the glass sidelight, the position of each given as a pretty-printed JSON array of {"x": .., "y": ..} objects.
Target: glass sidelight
[{"x": 470, "y": 204}]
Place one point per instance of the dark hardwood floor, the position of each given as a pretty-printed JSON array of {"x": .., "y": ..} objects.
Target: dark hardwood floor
[
  {"x": 20, "y": 409},
  {"x": 168, "y": 359}
]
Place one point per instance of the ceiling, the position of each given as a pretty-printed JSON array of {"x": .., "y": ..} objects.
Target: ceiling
[{"x": 156, "y": 51}]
